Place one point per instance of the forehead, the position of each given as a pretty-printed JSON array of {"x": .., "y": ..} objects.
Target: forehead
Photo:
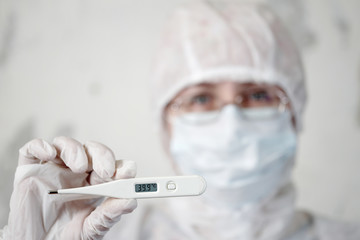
[{"x": 226, "y": 87}]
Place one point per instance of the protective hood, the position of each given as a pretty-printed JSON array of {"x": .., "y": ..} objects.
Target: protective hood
[{"x": 239, "y": 42}]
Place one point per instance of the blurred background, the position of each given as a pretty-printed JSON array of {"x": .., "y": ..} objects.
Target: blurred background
[{"x": 81, "y": 68}]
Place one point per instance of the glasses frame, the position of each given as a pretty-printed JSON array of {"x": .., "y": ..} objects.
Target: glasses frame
[{"x": 284, "y": 103}]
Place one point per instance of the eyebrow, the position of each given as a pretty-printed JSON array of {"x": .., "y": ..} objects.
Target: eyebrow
[{"x": 203, "y": 86}]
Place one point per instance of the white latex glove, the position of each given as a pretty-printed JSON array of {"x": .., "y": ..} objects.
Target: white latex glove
[{"x": 34, "y": 214}]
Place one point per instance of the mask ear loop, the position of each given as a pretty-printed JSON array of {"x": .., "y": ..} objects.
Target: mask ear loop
[
  {"x": 284, "y": 101},
  {"x": 285, "y": 105}
]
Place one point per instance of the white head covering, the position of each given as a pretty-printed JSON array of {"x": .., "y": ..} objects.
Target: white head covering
[{"x": 239, "y": 42}]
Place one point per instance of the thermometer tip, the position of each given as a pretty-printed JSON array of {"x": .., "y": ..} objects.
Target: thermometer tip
[{"x": 52, "y": 192}]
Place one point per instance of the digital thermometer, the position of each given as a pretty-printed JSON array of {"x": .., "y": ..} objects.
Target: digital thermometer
[{"x": 150, "y": 187}]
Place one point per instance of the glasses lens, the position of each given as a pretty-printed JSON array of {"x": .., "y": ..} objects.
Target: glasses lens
[
  {"x": 260, "y": 96},
  {"x": 263, "y": 102},
  {"x": 203, "y": 102},
  {"x": 198, "y": 106}
]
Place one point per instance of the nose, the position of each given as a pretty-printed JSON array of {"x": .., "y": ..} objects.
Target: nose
[
  {"x": 231, "y": 113},
  {"x": 232, "y": 99}
]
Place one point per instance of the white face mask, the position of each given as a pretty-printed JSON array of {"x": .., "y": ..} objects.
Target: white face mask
[{"x": 242, "y": 161}]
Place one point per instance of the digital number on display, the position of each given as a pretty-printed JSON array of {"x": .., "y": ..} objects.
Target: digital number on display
[{"x": 146, "y": 187}]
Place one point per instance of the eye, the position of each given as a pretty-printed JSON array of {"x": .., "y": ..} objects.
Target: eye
[
  {"x": 201, "y": 99},
  {"x": 200, "y": 102},
  {"x": 260, "y": 95}
]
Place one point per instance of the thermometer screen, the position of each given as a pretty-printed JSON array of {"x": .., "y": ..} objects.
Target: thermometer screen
[{"x": 146, "y": 187}]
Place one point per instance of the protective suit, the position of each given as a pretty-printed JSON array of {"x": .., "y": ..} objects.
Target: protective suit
[
  {"x": 244, "y": 200},
  {"x": 242, "y": 43}
]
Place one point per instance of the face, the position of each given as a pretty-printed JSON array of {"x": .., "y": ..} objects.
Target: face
[{"x": 212, "y": 97}]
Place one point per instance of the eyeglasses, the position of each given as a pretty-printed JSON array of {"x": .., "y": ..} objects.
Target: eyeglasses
[{"x": 207, "y": 100}]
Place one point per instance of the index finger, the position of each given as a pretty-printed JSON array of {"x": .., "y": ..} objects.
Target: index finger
[{"x": 36, "y": 151}]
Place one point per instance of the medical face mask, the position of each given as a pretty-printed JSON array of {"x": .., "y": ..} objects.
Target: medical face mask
[{"x": 243, "y": 161}]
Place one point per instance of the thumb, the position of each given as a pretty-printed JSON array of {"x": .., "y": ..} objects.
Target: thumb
[{"x": 105, "y": 216}]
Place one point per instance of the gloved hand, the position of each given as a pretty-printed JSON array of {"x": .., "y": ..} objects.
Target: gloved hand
[{"x": 34, "y": 214}]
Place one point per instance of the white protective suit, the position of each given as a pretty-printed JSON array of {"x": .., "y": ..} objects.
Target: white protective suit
[
  {"x": 238, "y": 42},
  {"x": 241, "y": 42}
]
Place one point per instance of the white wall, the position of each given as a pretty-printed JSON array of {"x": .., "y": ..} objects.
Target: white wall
[
  {"x": 81, "y": 68},
  {"x": 329, "y": 160}
]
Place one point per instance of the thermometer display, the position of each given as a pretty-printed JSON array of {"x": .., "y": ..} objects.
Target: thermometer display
[{"x": 146, "y": 187}]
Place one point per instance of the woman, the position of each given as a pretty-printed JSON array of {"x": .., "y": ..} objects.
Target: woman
[{"x": 228, "y": 94}]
